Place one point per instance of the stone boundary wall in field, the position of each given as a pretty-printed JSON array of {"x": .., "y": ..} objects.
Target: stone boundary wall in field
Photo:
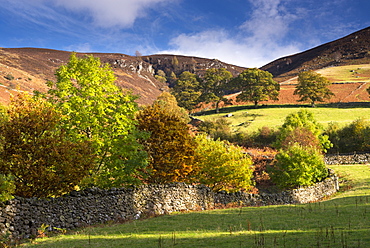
[
  {"x": 22, "y": 217},
  {"x": 354, "y": 158}
]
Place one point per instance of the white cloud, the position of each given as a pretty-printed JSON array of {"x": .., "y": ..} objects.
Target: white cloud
[
  {"x": 109, "y": 13},
  {"x": 255, "y": 44},
  {"x": 82, "y": 48}
]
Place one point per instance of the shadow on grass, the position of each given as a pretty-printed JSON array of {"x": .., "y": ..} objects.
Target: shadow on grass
[{"x": 231, "y": 109}]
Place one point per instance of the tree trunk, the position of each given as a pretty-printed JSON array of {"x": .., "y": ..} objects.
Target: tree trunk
[{"x": 217, "y": 107}]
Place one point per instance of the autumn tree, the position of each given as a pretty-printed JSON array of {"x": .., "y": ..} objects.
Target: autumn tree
[
  {"x": 301, "y": 127},
  {"x": 95, "y": 109},
  {"x": 170, "y": 145},
  {"x": 187, "y": 90},
  {"x": 256, "y": 85},
  {"x": 313, "y": 87},
  {"x": 39, "y": 156},
  {"x": 215, "y": 85},
  {"x": 222, "y": 166}
]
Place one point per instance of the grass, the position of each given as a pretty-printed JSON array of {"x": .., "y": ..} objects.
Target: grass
[
  {"x": 347, "y": 73},
  {"x": 342, "y": 221},
  {"x": 249, "y": 119}
]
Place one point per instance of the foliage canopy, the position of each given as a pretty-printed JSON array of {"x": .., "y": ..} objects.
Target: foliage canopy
[
  {"x": 222, "y": 166},
  {"x": 170, "y": 146},
  {"x": 37, "y": 154},
  {"x": 305, "y": 121},
  {"x": 186, "y": 90},
  {"x": 256, "y": 85},
  {"x": 298, "y": 165},
  {"x": 215, "y": 85},
  {"x": 313, "y": 87}
]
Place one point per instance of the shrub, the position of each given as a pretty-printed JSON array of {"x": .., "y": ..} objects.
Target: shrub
[
  {"x": 302, "y": 136},
  {"x": 217, "y": 129},
  {"x": 222, "y": 166},
  {"x": 9, "y": 77},
  {"x": 298, "y": 166},
  {"x": 37, "y": 153},
  {"x": 354, "y": 137},
  {"x": 305, "y": 121}
]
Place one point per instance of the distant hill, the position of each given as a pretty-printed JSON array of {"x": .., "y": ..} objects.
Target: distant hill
[
  {"x": 30, "y": 68},
  {"x": 352, "y": 49}
]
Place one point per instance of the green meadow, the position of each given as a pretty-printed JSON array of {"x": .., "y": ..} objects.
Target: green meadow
[
  {"x": 340, "y": 221},
  {"x": 249, "y": 119}
]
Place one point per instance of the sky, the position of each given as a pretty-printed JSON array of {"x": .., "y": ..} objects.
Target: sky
[{"x": 248, "y": 33}]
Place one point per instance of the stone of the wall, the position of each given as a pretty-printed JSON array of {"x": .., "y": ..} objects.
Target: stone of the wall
[
  {"x": 22, "y": 217},
  {"x": 360, "y": 158}
]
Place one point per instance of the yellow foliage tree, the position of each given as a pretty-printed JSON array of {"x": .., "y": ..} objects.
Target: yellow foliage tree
[{"x": 222, "y": 166}]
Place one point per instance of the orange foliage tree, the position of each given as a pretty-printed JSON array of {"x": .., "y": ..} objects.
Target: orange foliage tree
[
  {"x": 170, "y": 146},
  {"x": 39, "y": 156}
]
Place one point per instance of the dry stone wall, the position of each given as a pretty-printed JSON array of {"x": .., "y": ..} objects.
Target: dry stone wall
[
  {"x": 355, "y": 158},
  {"x": 22, "y": 217}
]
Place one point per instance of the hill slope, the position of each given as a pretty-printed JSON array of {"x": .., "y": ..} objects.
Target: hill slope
[
  {"x": 29, "y": 69},
  {"x": 352, "y": 49}
]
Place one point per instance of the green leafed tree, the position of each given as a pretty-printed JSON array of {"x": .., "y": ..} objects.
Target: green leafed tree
[
  {"x": 170, "y": 146},
  {"x": 186, "y": 90},
  {"x": 222, "y": 166},
  {"x": 312, "y": 87},
  {"x": 36, "y": 154},
  {"x": 95, "y": 109},
  {"x": 302, "y": 127},
  {"x": 298, "y": 165},
  {"x": 216, "y": 82},
  {"x": 256, "y": 85}
]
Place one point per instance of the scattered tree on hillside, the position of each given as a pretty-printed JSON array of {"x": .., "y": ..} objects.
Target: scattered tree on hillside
[
  {"x": 186, "y": 90},
  {"x": 95, "y": 109},
  {"x": 170, "y": 146},
  {"x": 37, "y": 154},
  {"x": 313, "y": 87},
  {"x": 161, "y": 76},
  {"x": 215, "y": 85},
  {"x": 222, "y": 166},
  {"x": 256, "y": 85}
]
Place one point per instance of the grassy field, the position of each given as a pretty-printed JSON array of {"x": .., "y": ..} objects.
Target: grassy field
[
  {"x": 348, "y": 73},
  {"x": 249, "y": 119},
  {"x": 342, "y": 221}
]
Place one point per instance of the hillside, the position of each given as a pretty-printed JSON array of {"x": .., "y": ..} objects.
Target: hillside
[
  {"x": 29, "y": 68},
  {"x": 353, "y": 49}
]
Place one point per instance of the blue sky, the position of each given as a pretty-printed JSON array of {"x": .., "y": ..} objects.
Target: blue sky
[{"x": 247, "y": 33}]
